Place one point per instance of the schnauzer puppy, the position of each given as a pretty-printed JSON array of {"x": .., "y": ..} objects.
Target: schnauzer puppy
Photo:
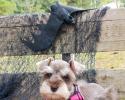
[{"x": 59, "y": 78}]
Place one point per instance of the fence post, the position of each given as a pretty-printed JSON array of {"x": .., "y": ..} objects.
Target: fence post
[{"x": 66, "y": 56}]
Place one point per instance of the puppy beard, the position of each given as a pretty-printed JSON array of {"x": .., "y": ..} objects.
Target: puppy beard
[{"x": 61, "y": 94}]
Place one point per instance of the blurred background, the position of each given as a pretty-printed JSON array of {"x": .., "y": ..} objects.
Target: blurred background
[{"x": 8, "y": 7}]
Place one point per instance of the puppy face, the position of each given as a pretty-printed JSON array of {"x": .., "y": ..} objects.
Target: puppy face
[{"x": 58, "y": 79}]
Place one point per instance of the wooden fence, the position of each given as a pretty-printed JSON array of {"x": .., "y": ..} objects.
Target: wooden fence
[
  {"x": 112, "y": 33},
  {"x": 112, "y": 39}
]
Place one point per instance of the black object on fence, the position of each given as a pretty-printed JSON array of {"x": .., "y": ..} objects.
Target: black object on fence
[{"x": 59, "y": 15}]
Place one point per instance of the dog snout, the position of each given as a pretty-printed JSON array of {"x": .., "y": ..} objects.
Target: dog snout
[
  {"x": 55, "y": 82},
  {"x": 54, "y": 85},
  {"x": 54, "y": 89}
]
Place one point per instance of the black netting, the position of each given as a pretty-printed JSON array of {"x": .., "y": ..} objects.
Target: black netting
[
  {"x": 87, "y": 35},
  {"x": 18, "y": 78}
]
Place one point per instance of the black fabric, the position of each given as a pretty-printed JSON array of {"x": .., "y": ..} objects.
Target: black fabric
[
  {"x": 59, "y": 14},
  {"x": 7, "y": 87}
]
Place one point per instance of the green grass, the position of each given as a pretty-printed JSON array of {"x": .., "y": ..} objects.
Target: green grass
[{"x": 110, "y": 59}]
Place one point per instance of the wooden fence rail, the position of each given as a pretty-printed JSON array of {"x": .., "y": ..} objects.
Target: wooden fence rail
[{"x": 11, "y": 27}]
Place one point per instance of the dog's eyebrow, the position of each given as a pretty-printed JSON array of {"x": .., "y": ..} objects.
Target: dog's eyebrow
[{"x": 64, "y": 71}]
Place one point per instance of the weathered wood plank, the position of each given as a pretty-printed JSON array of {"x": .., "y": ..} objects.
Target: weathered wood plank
[
  {"x": 113, "y": 31},
  {"x": 23, "y": 20},
  {"x": 13, "y": 27},
  {"x": 113, "y": 77},
  {"x": 29, "y": 86},
  {"x": 34, "y": 19},
  {"x": 111, "y": 46},
  {"x": 115, "y": 14}
]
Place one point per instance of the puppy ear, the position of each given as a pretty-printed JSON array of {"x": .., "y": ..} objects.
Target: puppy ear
[
  {"x": 41, "y": 64},
  {"x": 72, "y": 66},
  {"x": 76, "y": 67}
]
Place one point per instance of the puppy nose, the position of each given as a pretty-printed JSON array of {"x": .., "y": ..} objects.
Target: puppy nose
[{"x": 54, "y": 89}]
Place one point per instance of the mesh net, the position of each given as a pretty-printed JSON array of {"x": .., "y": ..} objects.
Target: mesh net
[
  {"x": 18, "y": 77},
  {"x": 16, "y": 84},
  {"x": 90, "y": 33}
]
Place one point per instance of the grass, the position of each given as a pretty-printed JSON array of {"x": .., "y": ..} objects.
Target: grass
[
  {"x": 9, "y": 64},
  {"x": 27, "y": 63},
  {"x": 110, "y": 59}
]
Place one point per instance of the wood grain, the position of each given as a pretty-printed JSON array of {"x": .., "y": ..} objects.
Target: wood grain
[
  {"x": 12, "y": 27},
  {"x": 112, "y": 78}
]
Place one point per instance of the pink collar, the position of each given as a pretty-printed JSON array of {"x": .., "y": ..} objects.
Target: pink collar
[{"x": 76, "y": 95}]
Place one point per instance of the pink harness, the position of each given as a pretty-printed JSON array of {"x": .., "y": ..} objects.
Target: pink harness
[{"x": 76, "y": 95}]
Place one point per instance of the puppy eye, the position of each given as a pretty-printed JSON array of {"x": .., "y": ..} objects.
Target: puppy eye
[
  {"x": 66, "y": 78},
  {"x": 48, "y": 75}
]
